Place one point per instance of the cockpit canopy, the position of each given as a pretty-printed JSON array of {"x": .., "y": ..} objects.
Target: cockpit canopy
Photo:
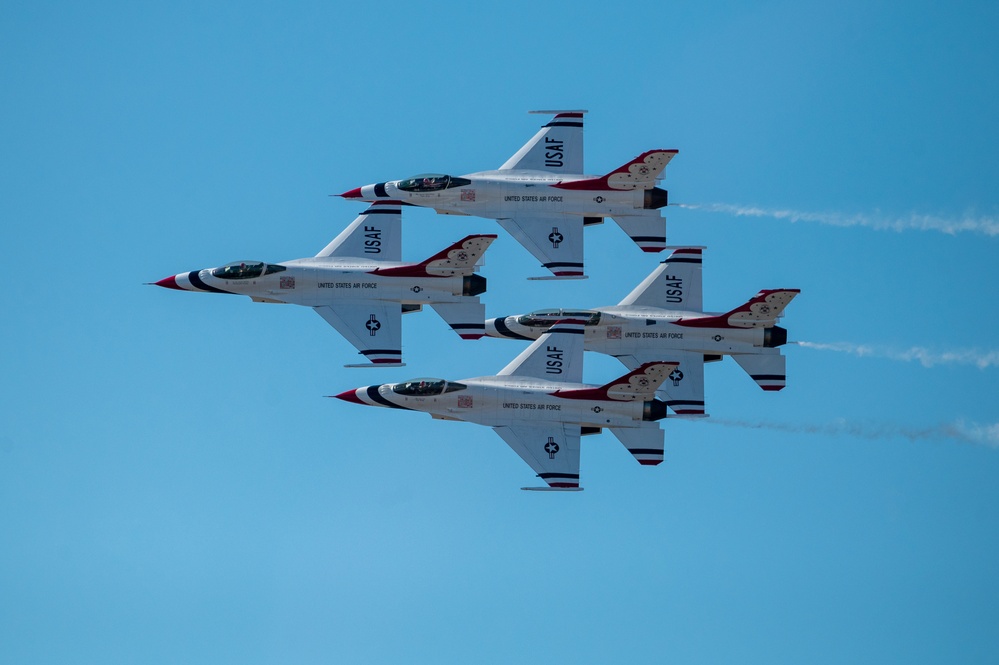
[
  {"x": 246, "y": 270},
  {"x": 431, "y": 182},
  {"x": 426, "y": 387},
  {"x": 544, "y": 318}
]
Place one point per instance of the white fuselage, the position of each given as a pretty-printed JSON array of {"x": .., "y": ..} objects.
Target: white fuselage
[
  {"x": 627, "y": 330},
  {"x": 500, "y": 400},
  {"x": 497, "y": 194},
  {"x": 315, "y": 282}
]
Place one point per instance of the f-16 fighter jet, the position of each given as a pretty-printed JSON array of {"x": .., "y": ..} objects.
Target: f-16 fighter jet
[
  {"x": 360, "y": 286},
  {"x": 539, "y": 407},
  {"x": 663, "y": 319},
  {"x": 542, "y": 199}
]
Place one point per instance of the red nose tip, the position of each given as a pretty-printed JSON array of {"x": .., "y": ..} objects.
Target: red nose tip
[
  {"x": 169, "y": 283},
  {"x": 352, "y": 194},
  {"x": 349, "y": 396}
]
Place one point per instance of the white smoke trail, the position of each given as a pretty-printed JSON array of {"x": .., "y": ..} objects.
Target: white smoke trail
[
  {"x": 985, "y": 225},
  {"x": 926, "y": 357},
  {"x": 986, "y": 435}
]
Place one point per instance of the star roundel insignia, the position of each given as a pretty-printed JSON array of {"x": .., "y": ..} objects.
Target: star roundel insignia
[
  {"x": 416, "y": 289},
  {"x": 555, "y": 237},
  {"x": 676, "y": 376},
  {"x": 599, "y": 199},
  {"x": 717, "y": 338},
  {"x": 551, "y": 448},
  {"x": 373, "y": 324},
  {"x": 597, "y": 409}
]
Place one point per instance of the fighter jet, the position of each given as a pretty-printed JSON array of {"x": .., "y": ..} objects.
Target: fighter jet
[
  {"x": 538, "y": 405},
  {"x": 662, "y": 318},
  {"x": 359, "y": 285},
  {"x": 541, "y": 197}
]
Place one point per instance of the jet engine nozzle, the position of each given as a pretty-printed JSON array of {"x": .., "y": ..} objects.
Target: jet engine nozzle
[
  {"x": 653, "y": 410},
  {"x": 655, "y": 198},
  {"x": 473, "y": 285},
  {"x": 774, "y": 337}
]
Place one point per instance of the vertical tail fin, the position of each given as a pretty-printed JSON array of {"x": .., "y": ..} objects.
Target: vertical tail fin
[
  {"x": 638, "y": 384},
  {"x": 640, "y": 173},
  {"x": 760, "y": 311},
  {"x": 458, "y": 259}
]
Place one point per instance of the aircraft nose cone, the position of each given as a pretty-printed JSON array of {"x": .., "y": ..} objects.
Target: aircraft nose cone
[
  {"x": 169, "y": 283},
  {"x": 352, "y": 194},
  {"x": 350, "y": 396}
]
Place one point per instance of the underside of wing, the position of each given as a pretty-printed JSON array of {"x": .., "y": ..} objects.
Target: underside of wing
[
  {"x": 552, "y": 450},
  {"x": 555, "y": 240},
  {"x": 373, "y": 327}
]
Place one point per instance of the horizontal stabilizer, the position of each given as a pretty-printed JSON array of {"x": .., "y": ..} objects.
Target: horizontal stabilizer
[
  {"x": 647, "y": 228},
  {"x": 646, "y": 443},
  {"x": 465, "y": 318},
  {"x": 769, "y": 370}
]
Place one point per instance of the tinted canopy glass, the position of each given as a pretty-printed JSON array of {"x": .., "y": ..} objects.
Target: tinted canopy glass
[
  {"x": 431, "y": 182},
  {"x": 547, "y": 317},
  {"x": 239, "y": 270},
  {"x": 246, "y": 270},
  {"x": 426, "y": 387}
]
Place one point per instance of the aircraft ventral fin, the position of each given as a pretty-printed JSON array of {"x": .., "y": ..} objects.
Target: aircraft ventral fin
[
  {"x": 373, "y": 327},
  {"x": 552, "y": 450},
  {"x": 375, "y": 234}
]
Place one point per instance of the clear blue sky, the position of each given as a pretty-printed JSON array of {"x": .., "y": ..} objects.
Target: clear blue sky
[{"x": 174, "y": 488}]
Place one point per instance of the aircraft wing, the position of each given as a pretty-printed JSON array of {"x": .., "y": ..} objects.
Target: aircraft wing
[
  {"x": 551, "y": 449},
  {"x": 375, "y": 234},
  {"x": 373, "y": 327},
  {"x": 557, "y": 147},
  {"x": 675, "y": 284},
  {"x": 555, "y": 240},
  {"x": 684, "y": 386}
]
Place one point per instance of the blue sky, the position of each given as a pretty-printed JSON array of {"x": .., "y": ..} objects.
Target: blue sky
[{"x": 174, "y": 487}]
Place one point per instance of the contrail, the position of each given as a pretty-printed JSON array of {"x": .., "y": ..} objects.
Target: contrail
[
  {"x": 984, "y": 225},
  {"x": 986, "y": 435},
  {"x": 926, "y": 357}
]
